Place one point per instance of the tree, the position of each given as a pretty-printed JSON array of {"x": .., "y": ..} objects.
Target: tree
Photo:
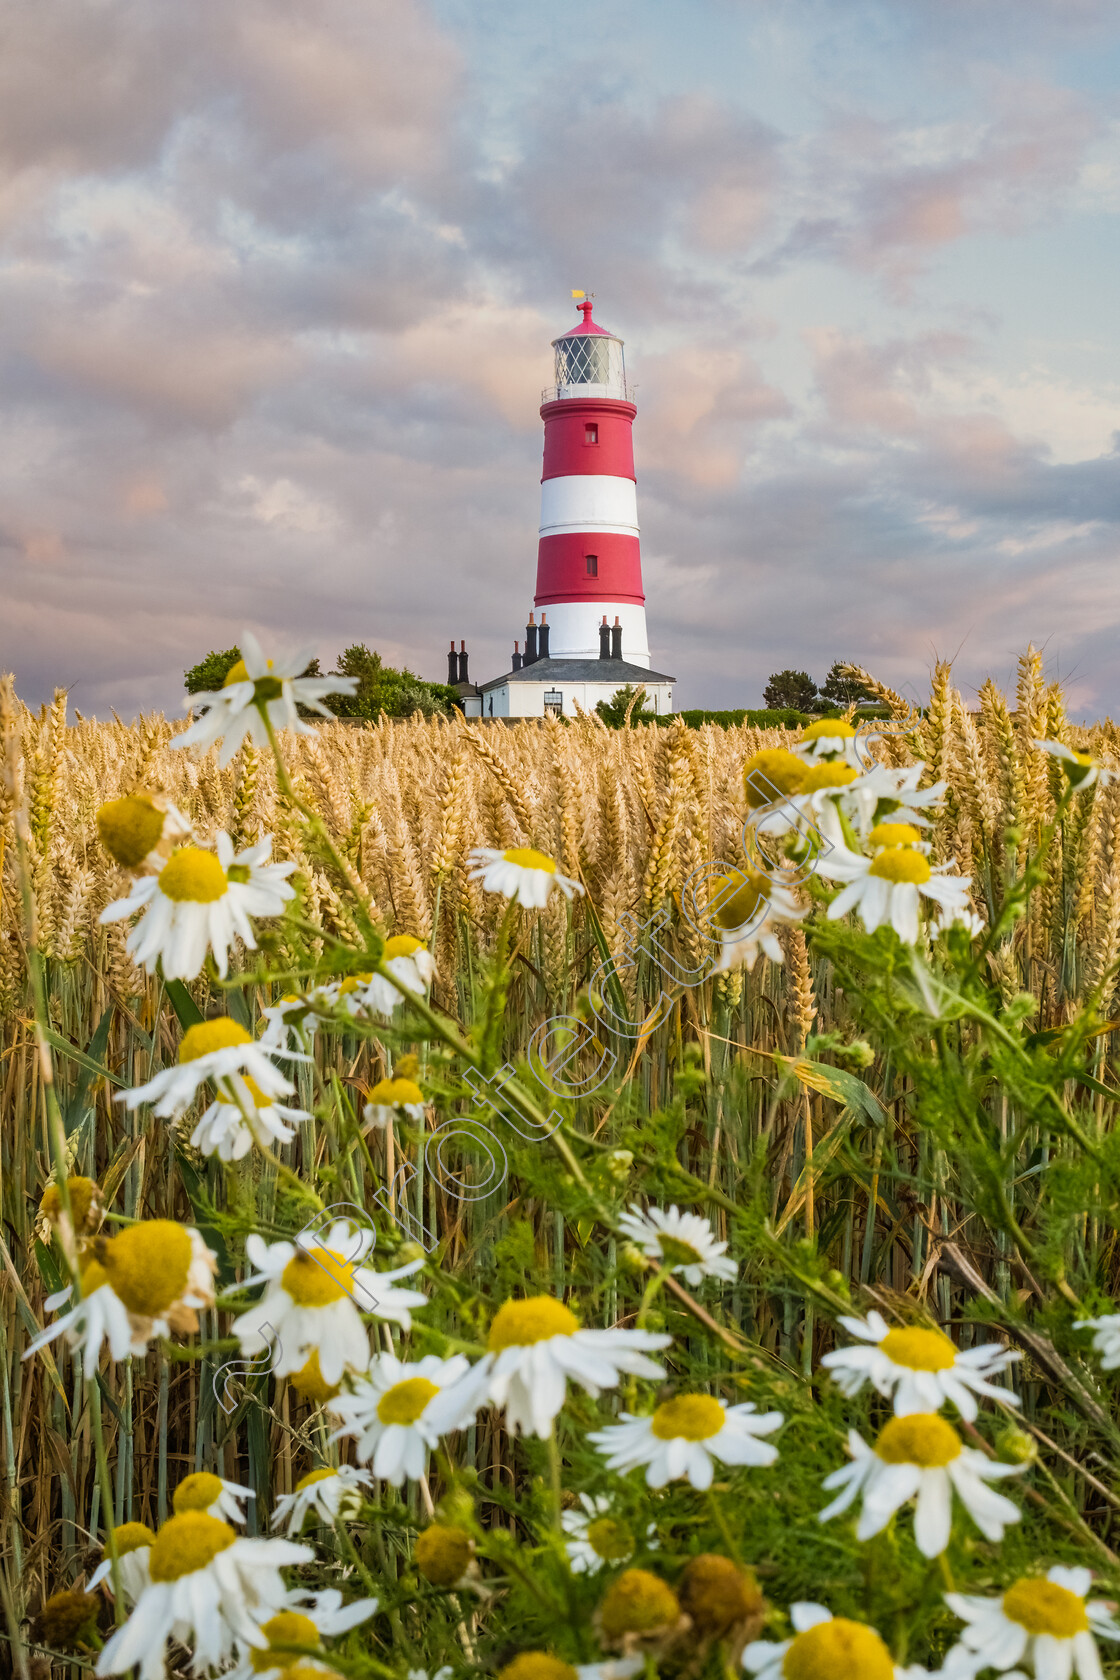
[
  {"x": 790, "y": 691},
  {"x": 381, "y": 690},
  {"x": 210, "y": 673},
  {"x": 613, "y": 711},
  {"x": 842, "y": 690}
]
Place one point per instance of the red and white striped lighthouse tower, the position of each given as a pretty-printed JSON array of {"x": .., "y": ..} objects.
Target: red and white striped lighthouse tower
[{"x": 589, "y": 564}]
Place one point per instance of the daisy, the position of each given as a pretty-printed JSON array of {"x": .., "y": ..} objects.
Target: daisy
[
  {"x": 141, "y": 830},
  {"x": 229, "y": 1130},
  {"x": 206, "y": 1584},
  {"x": 1106, "y": 1338},
  {"x": 888, "y": 887},
  {"x": 1081, "y": 768},
  {"x": 200, "y": 902},
  {"x": 291, "y": 1021},
  {"x": 685, "y": 1436},
  {"x": 330, "y": 1493},
  {"x": 217, "y": 1498},
  {"x": 218, "y": 1052},
  {"x": 390, "y": 1096},
  {"x": 772, "y": 776},
  {"x": 884, "y": 794},
  {"x": 596, "y": 1537},
  {"x": 535, "y": 1347},
  {"x": 921, "y": 1456},
  {"x": 134, "y": 1543},
  {"x": 824, "y": 1646},
  {"x": 829, "y": 739},
  {"x": 408, "y": 960},
  {"x": 256, "y": 687},
  {"x": 316, "y": 1292},
  {"x": 921, "y": 1368},
  {"x": 961, "y": 917},
  {"x": 150, "y": 1280},
  {"x": 521, "y": 874},
  {"x": 1044, "y": 1620},
  {"x": 389, "y": 1413},
  {"x": 302, "y": 1620},
  {"x": 684, "y": 1242},
  {"x": 748, "y": 905}
]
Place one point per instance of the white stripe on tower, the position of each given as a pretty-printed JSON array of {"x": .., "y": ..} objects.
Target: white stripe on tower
[{"x": 587, "y": 502}]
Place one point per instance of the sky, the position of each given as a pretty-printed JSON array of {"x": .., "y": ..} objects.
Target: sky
[{"x": 278, "y": 284}]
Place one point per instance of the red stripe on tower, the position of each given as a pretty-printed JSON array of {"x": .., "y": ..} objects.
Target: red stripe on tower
[{"x": 589, "y": 557}]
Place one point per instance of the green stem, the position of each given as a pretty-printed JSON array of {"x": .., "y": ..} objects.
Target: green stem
[{"x": 93, "y": 1395}]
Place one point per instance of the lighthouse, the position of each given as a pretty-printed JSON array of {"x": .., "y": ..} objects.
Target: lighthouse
[
  {"x": 590, "y": 640},
  {"x": 589, "y": 562}
]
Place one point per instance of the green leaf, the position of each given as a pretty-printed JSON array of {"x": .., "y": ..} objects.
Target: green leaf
[
  {"x": 183, "y": 1004},
  {"x": 94, "y": 1069},
  {"x": 214, "y": 1238},
  {"x": 834, "y": 1082}
]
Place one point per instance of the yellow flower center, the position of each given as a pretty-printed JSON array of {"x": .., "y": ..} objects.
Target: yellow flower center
[
  {"x": 148, "y": 1265},
  {"x": 609, "y": 1539},
  {"x": 309, "y": 1382},
  {"x": 739, "y": 897},
  {"x": 919, "y": 1350},
  {"x": 396, "y": 1093},
  {"x": 186, "y": 1543},
  {"x": 826, "y": 775},
  {"x": 695, "y": 1417},
  {"x": 769, "y": 774},
  {"x": 313, "y": 1477},
  {"x": 129, "y": 828},
  {"x": 402, "y": 945},
  {"x": 132, "y": 1537},
  {"x": 894, "y": 834},
  {"x": 317, "y": 1277},
  {"x": 526, "y": 858},
  {"x": 197, "y": 1492},
  {"x": 404, "y": 1402},
  {"x": 85, "y": 1197},
  {"x": 94, "y": 1276},
  {"x": 286, "y": 1628},
  {"x": 193, "y": 876},
  {"x": 207, "y": 1036},
  {"x": 923, "y": 1439},
  {"x": 535, "y": 1665},
  {"x": 353, "y": 981},
  {"x": 828, "y": 729},
  {"x": 264, "y": 688},
  {"x": 521, "y": 1323},
  {"x": 1044, "y": 1607},
  {"x": 899, "y": 863},
  {"x": 638, "y": 1602},
  {"x": 443, "y": 1553},
  {"x": 838, "y": 1650}
]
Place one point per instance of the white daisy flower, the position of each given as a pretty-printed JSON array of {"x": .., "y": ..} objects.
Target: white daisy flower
[
  {"x": 205, "y": 1492},
  {"x": 288, "y": 1022},
  {"x": 596, "y": 1538},
  {"x": 408, "y": 960},
  {"x": 256, "y": 685},
  {"x": 825, "y": 1646},
  {"x": 1106, "y": 1338},
  {"x": 444, "y": 1673},
  {"x": 961, "y": 917},
  {"x": 390, "y": 1097},
  {"x": 330, "y": 1493},
  {"x": 748, "y": 906},
  {"x": 536, "y": 1346},
  {"x": 134, "y": 1544},
  {"x": 388, "y": 1412},
  {"x": 200, "y": 902},
  {"x": 921, "y": 1368},
  {"x": 1081, "y": 768},
  {"x": 207, "y": 1590},
  {"x": 685, "y": 1242},
  {"x": 685, "y": 1437},
  {"x": 317, "y": 1289},
  {"x": 889, "y": 887},
  {"x": 520, "y": 873},
  {"x": 829, "y": 739},
  {"x": 883, "y": 794},
  {"x": 302, "y": 1620},
  {"x": 150, "y": 1280},
  {"x": 141, "y": 830},
  {"x": 1045, "y": 1621},
  {"x": 921, "y": 1457},
  {"x": 229, "y": 1131}
]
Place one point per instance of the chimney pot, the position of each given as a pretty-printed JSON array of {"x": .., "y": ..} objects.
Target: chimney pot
[
  {"x": 530, "y": 642},
  {"x": 616, "y": 640},
  {"x": 516, "y": 657},
  {"x": 604, "y": 639},
  {"x": 463, "y": 677},
  {"x": 542, "y": 639},
  {"x": 452, "y": 665}
]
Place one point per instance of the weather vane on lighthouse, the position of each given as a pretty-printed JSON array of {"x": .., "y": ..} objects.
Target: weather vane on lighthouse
[{"x": 591, "y": 639}]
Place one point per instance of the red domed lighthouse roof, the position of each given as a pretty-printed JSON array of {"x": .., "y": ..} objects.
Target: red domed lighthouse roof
[{"x": 587, "y": 325}]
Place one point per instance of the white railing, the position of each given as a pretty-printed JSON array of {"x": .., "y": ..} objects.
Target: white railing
[{"x": 620, "y": 391}]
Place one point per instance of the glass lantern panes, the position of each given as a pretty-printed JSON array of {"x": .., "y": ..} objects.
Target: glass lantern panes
[{"x": 585, "y": 359}]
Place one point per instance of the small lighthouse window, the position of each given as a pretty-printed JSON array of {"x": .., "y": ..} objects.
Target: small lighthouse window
[
  {"x": 591, "y": 434},
  {"x": 592, "y": 565}
]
